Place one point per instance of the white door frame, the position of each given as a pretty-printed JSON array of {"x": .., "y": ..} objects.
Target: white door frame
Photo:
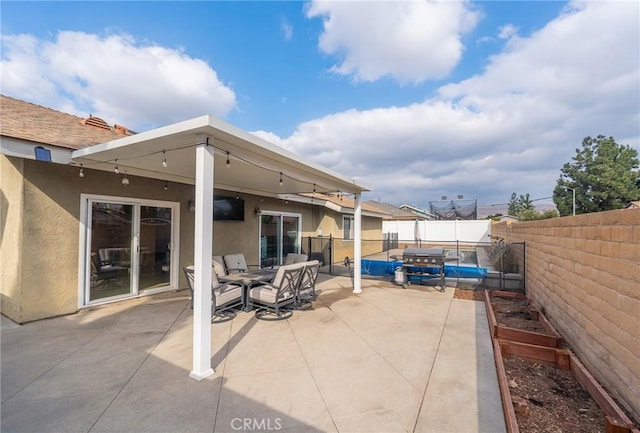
[
  {"x": 84, "y": 257},
  {"x": 280, "y": 214}
]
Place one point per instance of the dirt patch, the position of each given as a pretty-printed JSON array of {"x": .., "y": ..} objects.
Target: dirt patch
[
  {"x": 551, "y": 400},
  {"x": 469, "y": 294}
]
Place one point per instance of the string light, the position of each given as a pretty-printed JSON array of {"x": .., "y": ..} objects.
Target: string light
[
  {"x": 125, "y": 180},
  {"x": 228, "y": 153},
  {"x": 166, "y": 185}
]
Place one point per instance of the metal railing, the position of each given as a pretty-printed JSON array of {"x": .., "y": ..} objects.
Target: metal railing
[{"x": 505, "y": 262}]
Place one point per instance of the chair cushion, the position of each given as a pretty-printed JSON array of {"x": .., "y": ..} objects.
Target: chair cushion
[
  {"x": 227, "y": 293},
  {"x": 218, "y": 266},
  {"x": 266, "y": 295},
  {"x": 295, "y": 258},
  {"x": 235, "y": 263}
]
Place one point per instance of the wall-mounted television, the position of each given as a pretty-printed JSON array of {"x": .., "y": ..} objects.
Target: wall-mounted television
[{"x": 228, "y": 209}]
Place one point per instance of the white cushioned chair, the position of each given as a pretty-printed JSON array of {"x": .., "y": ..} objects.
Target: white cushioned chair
[
  {"x": 275, "y": 300},
  {"x": 225, "y": 297},
  {"x": 306, "y": 292},
  {"x": 236, "y": 263},
  {"x": 217, "y": 262}
]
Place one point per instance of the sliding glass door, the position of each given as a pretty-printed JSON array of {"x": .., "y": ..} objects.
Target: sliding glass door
[
  {"x": 279, "y": 235},
  {"x": 129, "y": 247}
]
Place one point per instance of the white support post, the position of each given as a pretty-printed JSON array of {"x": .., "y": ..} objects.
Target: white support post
[
  {"x": 357, "y": 245},
  {"x": 202, "y": 263}
]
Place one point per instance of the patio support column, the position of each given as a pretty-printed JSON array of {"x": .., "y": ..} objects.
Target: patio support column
[
  {"x": 357, "y": 245},
  {"x": 203, "y": 243}
]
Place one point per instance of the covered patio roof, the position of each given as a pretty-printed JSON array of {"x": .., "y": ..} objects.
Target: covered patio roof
[
  {"x": 210, "y": 153},
  {"x": 254, "y": 164}
]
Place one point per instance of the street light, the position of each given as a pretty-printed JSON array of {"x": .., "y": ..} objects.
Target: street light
[{"x": 574, "y": 199}]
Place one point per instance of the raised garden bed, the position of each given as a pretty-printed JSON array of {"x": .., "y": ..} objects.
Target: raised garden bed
[
  {"x": 544, "y": 387},
  {"x": 551, "y": 388}
]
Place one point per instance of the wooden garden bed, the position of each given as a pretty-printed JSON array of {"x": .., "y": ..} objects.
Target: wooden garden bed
[{"x": 545, "y": 375}]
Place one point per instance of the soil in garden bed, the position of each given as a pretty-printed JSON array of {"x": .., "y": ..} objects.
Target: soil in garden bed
[
  {"x": 551, "y": 400},
  {"x": 516, "y": 313}
]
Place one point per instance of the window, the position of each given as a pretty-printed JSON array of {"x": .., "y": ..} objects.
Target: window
[{"x": 347, "y": 228}]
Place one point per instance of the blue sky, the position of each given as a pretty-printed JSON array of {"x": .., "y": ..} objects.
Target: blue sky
[{"x": 413, "y": 99}]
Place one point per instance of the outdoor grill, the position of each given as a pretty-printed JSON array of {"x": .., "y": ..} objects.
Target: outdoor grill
[{"x": 424, "y": 263}]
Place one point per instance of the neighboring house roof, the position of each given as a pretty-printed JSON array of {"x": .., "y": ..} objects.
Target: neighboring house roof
[
  {"x": 336, "y": 202},
  {"x": 633, "y": 205},
  {"x": 395, "y": 213},
  {"x": 509, "y": 218},
  {"x": 27, "y": 121},
  {"x": 417, "y": 211}
]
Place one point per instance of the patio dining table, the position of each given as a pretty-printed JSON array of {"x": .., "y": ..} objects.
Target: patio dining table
[{"x": 248, "y": 280}]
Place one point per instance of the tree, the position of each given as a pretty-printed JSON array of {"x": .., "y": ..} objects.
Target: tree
[
  {"x": 531, "y": 215},
  {"x": 603, "y": 174},
  {"x": 517, "y": 205},
  {"x": 494, "y": 217}
]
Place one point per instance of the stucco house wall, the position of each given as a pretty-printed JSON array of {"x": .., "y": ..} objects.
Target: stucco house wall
[
  {"x": 41, "y": 233},
  {"x": 583, "y": 271}
]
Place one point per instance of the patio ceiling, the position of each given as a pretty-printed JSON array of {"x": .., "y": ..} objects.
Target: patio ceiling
[{"x": 255, "y": 164}]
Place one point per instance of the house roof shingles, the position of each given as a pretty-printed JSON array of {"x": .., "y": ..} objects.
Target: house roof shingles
[
  {"x": 394, "y": 212},
  {"x": 27, "y": 121}
]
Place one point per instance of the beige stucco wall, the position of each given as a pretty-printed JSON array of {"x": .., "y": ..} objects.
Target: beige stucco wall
[
  {"x": 40, "y": 275},
  {"x": 584, "y": 271},
  {"x": 11, "y": 210},
  {"x": 371, "y": 236}
]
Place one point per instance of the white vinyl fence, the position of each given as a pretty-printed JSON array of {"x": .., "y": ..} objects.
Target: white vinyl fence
[{"x": 476, "y": 231}]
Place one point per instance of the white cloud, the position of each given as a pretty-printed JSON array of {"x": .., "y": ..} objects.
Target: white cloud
[
  {"x": 506, "y": 31},
  {"x": 287, "y": 30},
  {"x": 114, "y": 77},
  {"x": 410, "y": 41},
  {"x": 507, "y": 130}
]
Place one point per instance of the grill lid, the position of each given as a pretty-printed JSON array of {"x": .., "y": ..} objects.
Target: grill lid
[{"x": 424, "y": 252}]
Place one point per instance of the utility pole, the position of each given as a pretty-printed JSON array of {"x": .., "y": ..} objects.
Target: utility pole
[{"x": 574, "y": 200}]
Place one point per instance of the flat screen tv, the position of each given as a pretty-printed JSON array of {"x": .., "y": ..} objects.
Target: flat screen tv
[{"x": 228, "y": 209}]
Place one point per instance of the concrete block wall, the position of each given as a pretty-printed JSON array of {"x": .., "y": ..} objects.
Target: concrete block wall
[{"x": 584, "y": 272}]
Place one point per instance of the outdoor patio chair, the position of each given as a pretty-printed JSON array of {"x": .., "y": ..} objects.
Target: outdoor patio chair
[
  {"x": 306, "y": 292},
  {"x": 274, "y": 301},
  {"x": 293, "y": 258},
  {"x": 218, "y": 266},
  {"x": 236, "y": 263},
  {"x": 106, "y": 273},
  {"x": 224, "y": 297}
]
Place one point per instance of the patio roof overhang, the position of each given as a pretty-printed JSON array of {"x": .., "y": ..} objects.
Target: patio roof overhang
[
  {"x": 255, "y": 164},
  {"x": 256, "y": 167}
]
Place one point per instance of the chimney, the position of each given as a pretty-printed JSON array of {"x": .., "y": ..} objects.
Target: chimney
[{"x": 121, "y": 130}]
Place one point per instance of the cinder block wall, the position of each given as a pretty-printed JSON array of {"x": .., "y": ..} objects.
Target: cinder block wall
[{"x": 584, "y": 271}]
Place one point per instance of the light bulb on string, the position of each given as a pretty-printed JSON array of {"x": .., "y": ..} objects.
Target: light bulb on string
[
  {"x": 164, "y": 158},
  {"x": 166, "y": 185},
  {"x": 125, "y": 180},
  {"x": 281, "y": 182},
  {"x": 228, "y": 160},
  {"x": 115, "y": 168},
  {"x": 81, "y": 174}
]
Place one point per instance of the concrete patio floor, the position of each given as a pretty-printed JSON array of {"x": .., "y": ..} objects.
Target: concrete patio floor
[{"x": 387, "y": 360}]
